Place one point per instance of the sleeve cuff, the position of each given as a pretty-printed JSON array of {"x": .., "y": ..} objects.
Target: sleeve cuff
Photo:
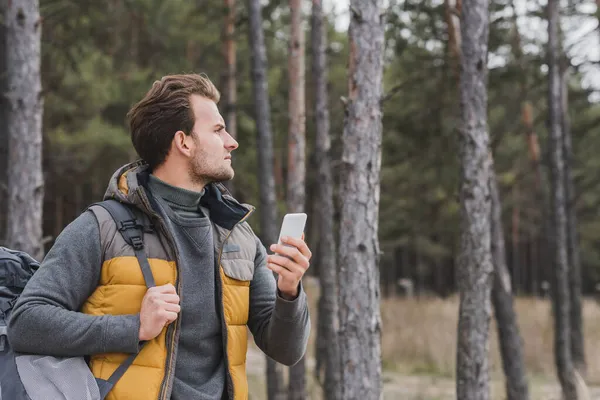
[
  {"x": 290, "y": 309},
  {"x": 122, "y": 334}
]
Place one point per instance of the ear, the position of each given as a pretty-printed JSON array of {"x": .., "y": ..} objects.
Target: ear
[{"x": 183, "y": 143}]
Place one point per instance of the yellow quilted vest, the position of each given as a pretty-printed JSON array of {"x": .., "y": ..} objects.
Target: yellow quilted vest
[{"x": 122, "y": 287}]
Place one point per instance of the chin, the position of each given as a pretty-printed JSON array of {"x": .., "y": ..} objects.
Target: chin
[{"x": 224, "y": 177}]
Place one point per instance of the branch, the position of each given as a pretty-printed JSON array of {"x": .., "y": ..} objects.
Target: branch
[{"x": 392, "y": 92}]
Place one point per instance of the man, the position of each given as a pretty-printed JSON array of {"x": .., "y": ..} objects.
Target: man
[{"x": 213, "y": 276}]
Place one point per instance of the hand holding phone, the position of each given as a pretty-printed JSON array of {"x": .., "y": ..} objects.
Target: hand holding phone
[{"x": 291, "y": 259}]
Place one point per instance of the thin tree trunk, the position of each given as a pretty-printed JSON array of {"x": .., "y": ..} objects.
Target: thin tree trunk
[
  {"x": 24, "y": 121},
  {"x": 296, "y": 172},
  {"x": 360, "y": 319},
  {"x": 515, "y": 237},
  {"x": 296, "y": 190},
  {"x": 539, "y": 240},
  {"x": 3, "y": 129},
  {"x": 230, "y": 72},
  {"x": 561, "y": 297},
  {"x": 328, "y": 302},
  {"x": 475, "y": 266},
  {"x": 279, "y": 181},
  {"x": 534, "y": 152},
  {"x": 268, "y": 201},
  {"x": 511, "y": 345},
  {"x": 453, "y": 10},
  {"x": 577, "y": 340}
]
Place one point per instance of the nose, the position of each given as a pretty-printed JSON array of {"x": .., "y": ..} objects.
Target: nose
[{"x": 230, "y": 143}]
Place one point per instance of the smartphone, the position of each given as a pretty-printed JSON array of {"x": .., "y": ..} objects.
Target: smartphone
[{"x": 292, "y": 226}]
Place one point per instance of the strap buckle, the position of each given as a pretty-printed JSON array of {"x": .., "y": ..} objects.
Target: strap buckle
[
  {"x": 137, "y": 242},
  {"x": 9, "y": 305},
  {"x": 128, "y": 224}
]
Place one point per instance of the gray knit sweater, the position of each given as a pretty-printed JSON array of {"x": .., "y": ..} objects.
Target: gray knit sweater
[{"x": 46, "y": 320}]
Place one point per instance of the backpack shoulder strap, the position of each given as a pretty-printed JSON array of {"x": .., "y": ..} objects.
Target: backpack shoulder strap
[{"x": 132, "y": 230}]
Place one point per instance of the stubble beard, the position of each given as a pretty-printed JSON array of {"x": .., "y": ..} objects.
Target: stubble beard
[{"x": 202, "y": 173}]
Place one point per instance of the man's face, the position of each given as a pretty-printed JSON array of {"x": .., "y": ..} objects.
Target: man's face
[{"x": 211, "y": 156}]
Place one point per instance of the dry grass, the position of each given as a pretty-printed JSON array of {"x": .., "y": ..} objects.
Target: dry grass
[
  {"x": 419, "y": 349},
  {"x": 419, "y": 336}
]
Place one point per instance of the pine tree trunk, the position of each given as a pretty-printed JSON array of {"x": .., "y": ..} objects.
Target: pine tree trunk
[
  {"x": 296, "y": 172},
  {"x": 24, "y": 121},
  {"x": 3, "y": 129},
  {"x": 230, "y": 72},
  {"x": 268, "y": 201},
  {"x": 453, "y": 10},
  {"x": 577, "y": 340},
  {"x": 360, "y": 319},
  {"x": 328, "y": 302},
  {"x": 511, "y": 344},
  {"x": 296, "y": 155},
  {"x": 475, "y": 266},
  {"x": 561, "y": 297}
]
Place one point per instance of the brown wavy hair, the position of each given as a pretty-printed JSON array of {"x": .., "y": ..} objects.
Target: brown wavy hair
[{"x": 164, "y": 110}]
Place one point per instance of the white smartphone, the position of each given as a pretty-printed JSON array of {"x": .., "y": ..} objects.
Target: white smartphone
[{"x": 292, "y": 226}]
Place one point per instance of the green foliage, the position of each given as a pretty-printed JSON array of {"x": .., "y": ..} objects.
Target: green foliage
[{"x": 99, "y": 57}]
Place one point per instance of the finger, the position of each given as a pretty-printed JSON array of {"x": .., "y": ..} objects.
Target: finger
[
  {"x": 300, "y": 244},
  {"x": 176, "y": 308},
  {"x": 279, "y": 270},
  {"x": 288, "y": 265},
  {"x": 168, "y": 288},
  {"x": 284, "y": 262},
  {"x": 170, "y": 298},
  {"x": 286, "y": 274},
  {"x": 170, "y": 316},
  {"x": 290, "y": 253}
]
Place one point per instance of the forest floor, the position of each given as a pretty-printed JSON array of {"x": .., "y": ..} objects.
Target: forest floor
[
  {"x": 419, "y": 345},
  {"x": 399, "y": 386}
]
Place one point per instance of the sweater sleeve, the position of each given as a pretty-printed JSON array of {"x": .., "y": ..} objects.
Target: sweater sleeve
[
  {"x": 280, "y": 328},
  {"x": 46, "y": 318}
]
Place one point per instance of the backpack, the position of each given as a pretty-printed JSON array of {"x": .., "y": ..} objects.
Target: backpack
[{"x": 66, "y": 377}]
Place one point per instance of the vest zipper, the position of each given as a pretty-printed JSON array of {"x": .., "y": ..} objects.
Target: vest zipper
[
  {"x": 171, "y": 333},
  {"x": 222, "y": 306},
  {"x": 171, "y": 330}
]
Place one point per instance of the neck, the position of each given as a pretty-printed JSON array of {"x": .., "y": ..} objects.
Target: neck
[{"x": 178, "y": 178}]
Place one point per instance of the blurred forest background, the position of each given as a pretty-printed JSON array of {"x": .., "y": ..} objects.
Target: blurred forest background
[{"x": 99, "y": 57}]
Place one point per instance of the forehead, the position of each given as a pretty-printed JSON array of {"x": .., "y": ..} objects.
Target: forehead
[{"x": 205, "y": 110}]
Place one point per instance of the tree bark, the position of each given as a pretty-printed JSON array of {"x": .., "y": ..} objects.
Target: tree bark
[
  {"x": 511, "y": 344},
  {"x": 561, "y": 296},
  {"x": 230, "y": 72},
  {"x": 296, "y": 109},
  {"x": 296, "y": 155},
  {"x": 453, "y": 11},
  {"x": 328, "y": 302},
  {"x": 268, "y": 200},
  {"x": 24, "y": 121},
  {"x": 577, "y": 339},
  {"x": 229, "y": 48},
  {"x": 360, "y": 319},
  {"x": 541, "y": 192},
  {"x": 475, "y": 266},
  {"x": 3, "y": 129}
]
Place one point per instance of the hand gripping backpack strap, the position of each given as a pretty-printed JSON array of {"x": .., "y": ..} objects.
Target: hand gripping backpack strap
[{"x": 132, "y": 231}]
